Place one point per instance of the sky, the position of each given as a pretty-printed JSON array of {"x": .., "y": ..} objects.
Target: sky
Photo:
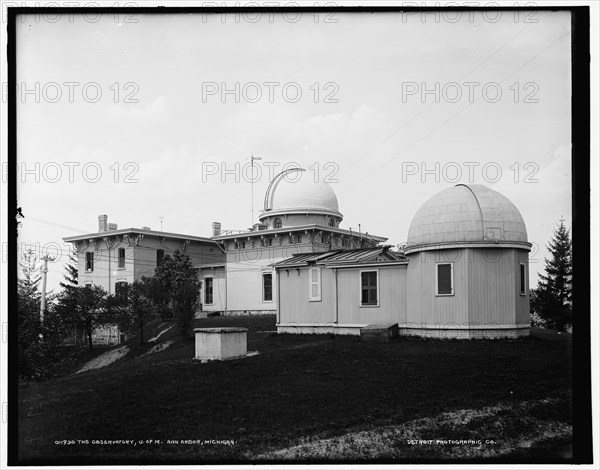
[{"x": 156, "y": 116}]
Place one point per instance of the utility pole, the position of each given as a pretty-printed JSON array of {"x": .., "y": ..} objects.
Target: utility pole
[
  {"x": 45, "y": 259},
  {"x": 252, "y": 158}
]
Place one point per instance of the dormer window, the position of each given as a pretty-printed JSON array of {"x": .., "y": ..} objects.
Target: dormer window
[{"x": 277, "y": 223}]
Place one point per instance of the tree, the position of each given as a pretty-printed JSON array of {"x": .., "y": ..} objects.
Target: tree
[
  {"x": 72, "y": 271},
  {"x": 85, "y": 308},
  {"x": 552, "y": 300},
  {"x": 133, "y": 306},
  {"x": 28, "y": 282},
  {"x": 38, "y": 343},
  {"x": 178, "y": 288}
]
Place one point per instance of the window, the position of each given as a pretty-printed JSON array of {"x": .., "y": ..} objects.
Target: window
[
  {"x": 120, "y": 290},
  {"x": 444, "y": 279},
  {"x": 89, "y": 261},
  {"x": 121, "y": 257},
  {"x": 277, "y": 223},
  {"x": 208, "y": 290},
  {"x": 88, "y": 285},
  {"x": 523, "y": 283},
  {"x": 332, "y": 222},
  {"x": 299, "y": 238},
  {"x": 314, "y": 284},
  {"x": 267, "y": 287},
  {"x": 368, "y": 288},
  {"x": 160, "y": 255}
]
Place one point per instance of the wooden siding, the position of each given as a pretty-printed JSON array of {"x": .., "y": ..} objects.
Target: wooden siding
[
  {"x": 424, "y": 306},
  {"x": 219, "y": 289},
  {"x": 486, "y": 289},
  {"x": 493, "y": 287},
  {"x": 296, "y": 308},
  {"x": 522, "y": 301},
  {"x": 392, "y": 296}
]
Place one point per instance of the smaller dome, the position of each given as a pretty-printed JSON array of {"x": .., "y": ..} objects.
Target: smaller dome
[
  {"x": 462, "y": 214},
  {"x": 296, "y": 191}
]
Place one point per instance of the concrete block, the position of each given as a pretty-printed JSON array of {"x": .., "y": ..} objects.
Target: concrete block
[
  {"x": 219, "y": 344},
  {"x": 379, "y": 332}
]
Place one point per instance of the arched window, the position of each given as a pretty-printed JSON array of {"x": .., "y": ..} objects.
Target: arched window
[
  {"x": 277, "y": 223},
  {"x": 332, "y": 222}
]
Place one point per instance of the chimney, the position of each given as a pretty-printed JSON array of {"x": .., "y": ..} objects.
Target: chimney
[
  {"x": 112, "y": 226},
  {"x": 216, "y": 229},
  {"x": 102, "y": 223}
]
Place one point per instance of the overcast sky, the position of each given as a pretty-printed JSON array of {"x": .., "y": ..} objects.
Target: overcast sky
[{"x": 162, "y": 131}]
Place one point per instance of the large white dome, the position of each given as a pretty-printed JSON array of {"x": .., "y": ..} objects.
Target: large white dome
[
  {"x": 466, "y": 213},
  {"x": 296, "y": 191}
]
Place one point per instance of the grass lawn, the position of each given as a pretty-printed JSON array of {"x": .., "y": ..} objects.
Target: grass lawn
[{"x": 308, "y": 398}]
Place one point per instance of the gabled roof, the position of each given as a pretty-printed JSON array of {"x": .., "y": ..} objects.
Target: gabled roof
[{"x": 341, "y": 258}]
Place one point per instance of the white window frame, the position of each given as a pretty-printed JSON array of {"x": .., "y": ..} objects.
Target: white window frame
[
  {"x": 523, "y": 292},
  {"x": 437, "y": 276},
  {"x": 212, "y": 278},
  {"x": 319, "y": 283},
  {"x": 262, "y": 286},
  {"x": 360, "y": 272}
]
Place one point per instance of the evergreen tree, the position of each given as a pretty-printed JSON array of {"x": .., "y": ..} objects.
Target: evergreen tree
[
  {"x": 552, "y": 299},
  {"x": 28, "y": 282},
  {"x": 72, "y": 275}
]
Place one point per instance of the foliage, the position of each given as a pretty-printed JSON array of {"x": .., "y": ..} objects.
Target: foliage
[
  {"x": 72, "y": 272},
  {"x": 28, "y": 282},
  {"x": 178, "y": 288},
  {"x": 38, "y": 342},
  {"x": 552, "y": 299},
  {"x": 133, "y": 306},
  {"x": 85, "y": 308}
]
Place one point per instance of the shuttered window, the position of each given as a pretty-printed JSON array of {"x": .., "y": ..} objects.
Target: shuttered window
[
  {"x": 314, "y": 284},
  {"x": 368, "y": 288},
  {"x": 444, "y": 279},
  {"x": 267, "y": 287},
  {"x": 208, "y": 290},
  {"x": 523, "y": 289}
]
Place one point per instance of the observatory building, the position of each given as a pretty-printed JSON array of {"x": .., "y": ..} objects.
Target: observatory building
[
  {"x": 464, "y": 274},
  {"x": 299, "y": 216}
]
